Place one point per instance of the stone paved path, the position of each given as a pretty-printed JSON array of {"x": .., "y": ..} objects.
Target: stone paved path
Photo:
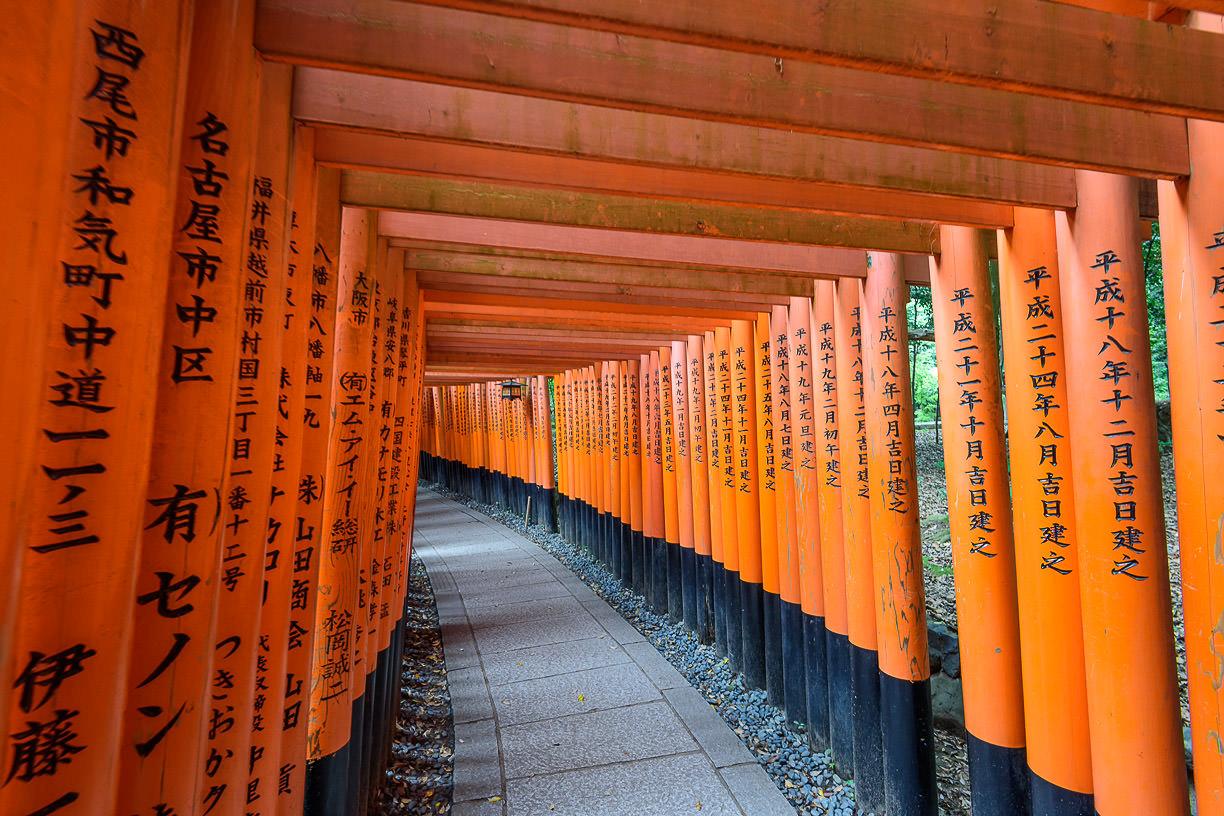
[{"x": 561, "y": 707}]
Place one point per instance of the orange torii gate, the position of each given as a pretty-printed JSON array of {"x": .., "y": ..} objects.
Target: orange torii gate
[{"x": 276, "y": 258}]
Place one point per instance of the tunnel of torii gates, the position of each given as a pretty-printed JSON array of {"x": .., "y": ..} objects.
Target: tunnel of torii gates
[{"x": 268, "y": 262}]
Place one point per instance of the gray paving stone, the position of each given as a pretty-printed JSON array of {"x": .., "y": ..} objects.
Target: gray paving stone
[
  {"x": 483, "y": 584},
  {"x": 525, "y": 592},
  {"x": 755, "y": 791},
  {"x": 459, "y": 648},
  {"x": 564, "y": 694},
  {"x": 537, "y": 633},
  {"x": 595, "y": 738},
  {"x": 668, "y": 786},
  {"x": 718, "y": 741},
  {"x": 555, "y": 658},
  {"x": 478, "y": 773},
  {"x": 662, "y": 673},
  {"x": 469, "y": 694},
  {"x": 611, "y": 620},
  {"x": 479, "y": 807},
  {"x": 502, "y": 614}
]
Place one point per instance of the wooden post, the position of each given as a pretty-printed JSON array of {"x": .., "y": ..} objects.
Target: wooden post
[
  {"x": 642, "y": 551},
  {"x": 732, "y": 597},
  {"x": 658, "y": 488},
  {"x": 794, "y": 671},
  {"x": 315, "y": 421},
  {"x": 1192, "y": 243},
  {"x": 979, "y": 511},
  {"x": 905, "y": 685},
  {"x": 1137, "y": 762},
  {"x": 767, "y": 496},
  {"x": 671, "y": 510},
  {"x": 170, "y": 662},
  {"x": 699, "y": 479},
  {"x": 832, "y": 550},
  {"x": 252, "y": 451},
  {"x": 856, "y": 546},
  {"x": 97, "y": 238},
  {"x": 1043, "y": 513},
  {"x": 682, "y": 444},
  {"x": 332, "y": 682},
  {"x": 807, "y": 520},
  {"x": 37, "y": 84},
  {"x": 747, "y": 503},
  {"x": 714, "y": 480}
]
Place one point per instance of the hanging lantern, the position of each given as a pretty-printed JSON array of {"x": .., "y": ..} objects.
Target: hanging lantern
[{"x": 512, "y": 390}]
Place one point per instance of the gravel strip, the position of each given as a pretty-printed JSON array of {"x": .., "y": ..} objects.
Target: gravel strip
[{"x": 419, "y": 778}]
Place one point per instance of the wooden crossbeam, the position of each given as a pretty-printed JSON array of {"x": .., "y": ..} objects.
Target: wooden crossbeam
[
  {"x": 551, "y": 268},
  {"x": 380, "y": 151},
  {"x": 477, "y": 302},
  {"x": 498, "y": 201},
  {"x": 466, "y": 116},
  {"x": 1021, "y": 45},
  {"x": 596, "y": 67}
]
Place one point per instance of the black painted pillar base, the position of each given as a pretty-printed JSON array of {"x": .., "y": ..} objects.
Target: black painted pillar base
[
  {"x": 718, "y": 596},
  {"x": 771, "y": 613},
  {"x": 357, "y": 755},
  {"x": 868, "y": 752},
  {"x": 998, "y": 779},
  {"x": 675, "y": 581},
  {"x": 735, "y": 624},
  {"x": 909, "y": 746},
  {"x": 1049, "y": 799},
  {"x": 794, "y": 671},
  {"x": 816, "y": 668},
  {"x": 327, "y": 790},
  {"x": 625, "y": 545},
  {"x": 658, "y": 575},
  {"x": 704, "y": 597},
  {"x": 841, "y": 697},
  {"x": 638, "y": 563},
  {"x": 688, "y": 587},
  {"x": 752, "y": 613}
]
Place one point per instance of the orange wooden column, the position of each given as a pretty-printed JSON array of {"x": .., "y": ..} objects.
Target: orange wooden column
[
  {"x": 979, "y": 510},
  {"x": 98, "y": 234},
  {"x": 165, "y": 714},
  {"x": 36, "y": 83},
  {"x": 618, "y": 469},
  {"x": 1192, "y": 243},
  {"x": 699, "y": 485},
  {"x": 1043, "y": 513},
  {"x": 642, "y": 551},
  {"x": 315, "y": 420},
  {"x": 658, "y": 487},
  {"x": 333, "y": 682},
  {"x": 624, "y": 529},
  {"x": 275, "y": 637},
  {"x": 832, "y": 552},
  {"x": 794, "y": 695},
  {"x": 766, "y": 459},
  {"x": 252, "y": 452},
  {"x": 766, "y": 496},
  {"x": 1137, "y": 761},
  {"x": 714, "y": 480},
  {"x": 732, "y": 595},
  {"x": 747, "y": 500},
  {"x": 681, "y": 445},
  {"x": 905, "y": 691},
  {"x": 547, "y": 466},
  {"x": 671, "y": 509},
  {"x": 632, "y": 479},
  {"x": 856, "y": 545},
  {"x": 800, "y": 372},
  {"x": 564, "y": 453}
]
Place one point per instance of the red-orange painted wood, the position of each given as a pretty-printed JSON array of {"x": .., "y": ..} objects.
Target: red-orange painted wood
[
  {"x": 1138, "y": 763},
  {"x": 98, "y": 235}
]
